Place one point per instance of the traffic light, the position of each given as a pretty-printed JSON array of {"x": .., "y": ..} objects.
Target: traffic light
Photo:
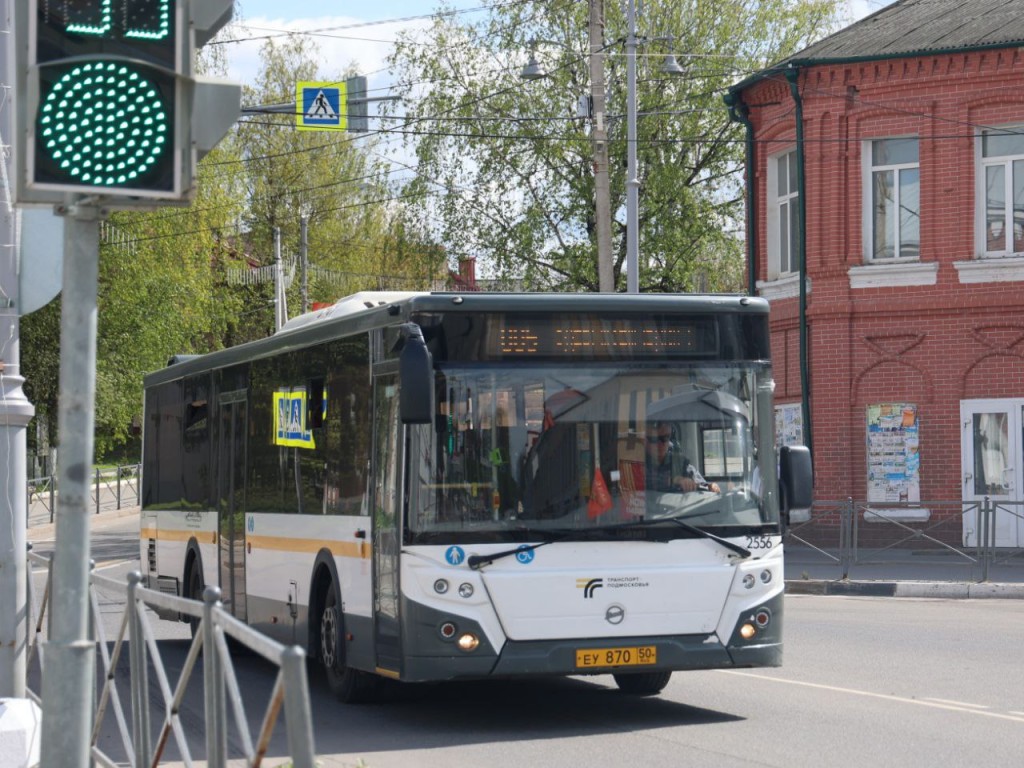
[{"x": 106, "y": 101}]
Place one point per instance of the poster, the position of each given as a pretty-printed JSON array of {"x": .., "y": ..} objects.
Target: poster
[
  {"x": 894, "y": 461},
  {"x": 789, "y": 425}
]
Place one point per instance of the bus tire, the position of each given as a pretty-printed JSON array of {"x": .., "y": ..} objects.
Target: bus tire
[
  {"x": 194, "y": 590},
  {"x": 348, "y": 685},
  {"x": 642, "y": 683}
]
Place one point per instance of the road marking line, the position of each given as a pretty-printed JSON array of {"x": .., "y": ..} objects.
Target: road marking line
[
  {"x": 1016, "y": 717},
  {"x": 956, "y": 703},
  {"x": 111, "y": 564}
]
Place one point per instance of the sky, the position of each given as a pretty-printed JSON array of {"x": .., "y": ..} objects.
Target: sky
[{"x": 364, "y": 46}]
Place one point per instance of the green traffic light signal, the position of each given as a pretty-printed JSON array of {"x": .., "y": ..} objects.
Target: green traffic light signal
[
  {"x": 107, "y": 95},
  {"x": 105, "y": 123},
  {"x": 107, "y": 103}
]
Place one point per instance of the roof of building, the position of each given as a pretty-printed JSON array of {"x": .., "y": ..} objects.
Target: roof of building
[{"x": 915, "y": 27}]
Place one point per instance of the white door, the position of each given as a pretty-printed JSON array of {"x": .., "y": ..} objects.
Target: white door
[{"x": 991, "y": 456}]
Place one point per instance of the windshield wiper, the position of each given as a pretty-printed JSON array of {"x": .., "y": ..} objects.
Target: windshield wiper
[{"x": 476, "y": 561}]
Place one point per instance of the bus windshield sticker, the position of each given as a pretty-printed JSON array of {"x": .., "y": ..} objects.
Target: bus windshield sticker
[
  {"x": 455, "y": 555},
  {"x": 290, "y": 427}
]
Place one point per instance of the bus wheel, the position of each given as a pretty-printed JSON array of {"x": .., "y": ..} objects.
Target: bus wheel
[
  {"x": 642, "y": 683},
  {"x": 194, "y": 591},
  {"x": 348, "y": 685}
]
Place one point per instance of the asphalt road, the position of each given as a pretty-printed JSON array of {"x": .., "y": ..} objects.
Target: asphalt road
[{"x": 866, "y": 681}]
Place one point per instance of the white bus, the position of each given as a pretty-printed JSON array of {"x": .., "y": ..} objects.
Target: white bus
[{"x": 439, "y": 486}]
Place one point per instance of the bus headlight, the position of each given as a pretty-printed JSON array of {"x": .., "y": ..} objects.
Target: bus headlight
[
  {"x": 468, "y": 642},
  {"x": 441, "y": 586},
  {"x": 747, "y": 631},
  {"x": 465, "y": 589},
  {"x": 748, "y": 581}
]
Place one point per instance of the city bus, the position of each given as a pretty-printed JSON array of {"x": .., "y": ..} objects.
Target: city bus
[{"x": 442, "y": 486}]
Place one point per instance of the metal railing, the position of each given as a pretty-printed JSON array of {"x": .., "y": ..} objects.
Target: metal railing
[
  {"x": 220, "y": 683},
  {"x": 953, "y": 540},
  {"x": 112, "y": 488}
]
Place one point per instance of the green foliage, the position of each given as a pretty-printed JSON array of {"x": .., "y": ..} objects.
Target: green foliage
[{"x": 505, "y": 169}]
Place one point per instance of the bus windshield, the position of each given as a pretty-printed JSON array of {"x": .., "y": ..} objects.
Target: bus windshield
[{"x": 560, "y": 449}]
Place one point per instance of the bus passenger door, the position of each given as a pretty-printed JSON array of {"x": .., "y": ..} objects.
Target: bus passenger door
[
  {"x": 231, "y": 500},
  {"x": 387, "y": 499}
]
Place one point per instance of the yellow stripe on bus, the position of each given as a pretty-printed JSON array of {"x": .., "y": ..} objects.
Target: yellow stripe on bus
[
  {"x": 357, "y": 549},
  {"x": 170, "y": 534}
]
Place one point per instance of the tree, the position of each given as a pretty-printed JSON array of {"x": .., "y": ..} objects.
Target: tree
[
  {"x": 335, "y": 178},
  {"x": 505, "y": 167}
]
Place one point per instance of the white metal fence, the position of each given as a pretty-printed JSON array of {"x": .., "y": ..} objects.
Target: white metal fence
[{"x": 139, "y": 743}]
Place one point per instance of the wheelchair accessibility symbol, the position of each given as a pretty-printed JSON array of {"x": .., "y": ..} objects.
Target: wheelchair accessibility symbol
[{"x": 525, "y": 554}]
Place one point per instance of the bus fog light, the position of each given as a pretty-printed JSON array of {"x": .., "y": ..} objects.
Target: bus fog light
[
  {"x": 465, "y": 590},
  {"x": 448, "y": 630},
  {"x": 747, "y": 631},
  {"x": 468, "y": 642},
  {"x": 762, "y": 618},
  {"x": 748, "y": 581},
  {"x": 441, "y": 586},
  {"x": 766, "y": 576}
]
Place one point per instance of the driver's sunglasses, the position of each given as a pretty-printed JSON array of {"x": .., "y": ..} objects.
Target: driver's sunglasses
[{"x": 659, "y": 439}]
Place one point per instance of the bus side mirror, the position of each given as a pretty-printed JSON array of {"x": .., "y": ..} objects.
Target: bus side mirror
[
  {"x": 416, "y": 378},
  {"x": 796, "y": 479}
]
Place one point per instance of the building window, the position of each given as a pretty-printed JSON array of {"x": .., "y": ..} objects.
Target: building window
[
  {"x": 893, "y": 222},
  {"x": 783, "y": 216},
  {"x": 1001, "y": 199}
]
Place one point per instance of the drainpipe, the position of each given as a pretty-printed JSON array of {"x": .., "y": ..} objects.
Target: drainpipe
[
  {"x": 739, "y": 112},
  {"x": 793, "y": 75}
]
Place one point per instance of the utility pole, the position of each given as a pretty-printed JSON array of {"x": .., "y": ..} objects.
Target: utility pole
[
  {"x": 303, "y": 261},
  {"x": 599, "y": 135},
  {"x": 15, "y": 413},
  {"x": 632, "y": 175}
]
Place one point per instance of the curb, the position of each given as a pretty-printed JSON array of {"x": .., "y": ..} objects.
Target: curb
[{"x": 934, "y": 589}]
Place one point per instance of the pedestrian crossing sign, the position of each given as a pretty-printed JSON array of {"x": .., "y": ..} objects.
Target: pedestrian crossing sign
[{"x": 321, "y": 106}]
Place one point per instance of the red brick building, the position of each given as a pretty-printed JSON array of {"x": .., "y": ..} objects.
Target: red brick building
[{"x": 885, "y": 179}]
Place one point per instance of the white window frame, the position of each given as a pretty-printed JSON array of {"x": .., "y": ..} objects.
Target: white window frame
[
  {"x": 981, "y": 219},
  {"x": 777, "y": 205},
  {"x": 868, "y": 170}
]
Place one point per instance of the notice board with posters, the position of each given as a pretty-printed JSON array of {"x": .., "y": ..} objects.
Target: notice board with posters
[{"x": 894, "y": 463}]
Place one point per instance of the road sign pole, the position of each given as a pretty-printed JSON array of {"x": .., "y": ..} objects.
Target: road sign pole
[
  {"x": 69, "y": 674},
  {"x": 15, "y": 413}
]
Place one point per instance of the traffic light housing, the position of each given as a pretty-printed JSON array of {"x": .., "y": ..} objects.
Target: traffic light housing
[{"x": 106, "y": 102}]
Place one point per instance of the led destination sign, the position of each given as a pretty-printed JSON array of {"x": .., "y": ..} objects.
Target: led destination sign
[{"x": 592, "y": 337}]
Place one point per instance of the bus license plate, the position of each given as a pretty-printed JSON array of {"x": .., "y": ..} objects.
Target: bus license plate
[{"x": 616, "y": 657}]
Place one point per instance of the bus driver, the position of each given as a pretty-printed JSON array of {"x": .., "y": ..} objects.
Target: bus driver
[{"x": 667, "y": 468}]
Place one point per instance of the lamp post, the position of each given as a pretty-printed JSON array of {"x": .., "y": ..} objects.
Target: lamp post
[
  {"x": 632, "y": 182},
  {"x": 670, "y": 67}
]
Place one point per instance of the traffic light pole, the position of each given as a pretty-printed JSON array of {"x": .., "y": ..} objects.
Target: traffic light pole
[
  {"x": 15, "y": 413},
  {"x": 69, "y": 676}
]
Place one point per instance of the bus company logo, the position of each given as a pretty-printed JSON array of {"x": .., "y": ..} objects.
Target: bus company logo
[
  {"x": 588, "y": 586},
  {"x": 454, "y": 555},
  {"x": 251, "y": 525}
]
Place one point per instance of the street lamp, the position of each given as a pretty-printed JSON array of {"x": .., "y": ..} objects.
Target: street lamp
[{"x": 669, "y": 67}]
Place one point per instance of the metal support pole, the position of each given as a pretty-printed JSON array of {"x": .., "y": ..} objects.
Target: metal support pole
[
  {"x": 213, "y": 685},
  {"x": 97, "y": 477},
  {"x": 69, "y": 675},
  {"x": 138, "y": 665},
  {"x": 632, "y": 176},
  {"x": 599, "y": 137},
  {"x": 304, "y": 261},
  {"x": 297, "y": 713},
  {"x": 15, "y": 413}
]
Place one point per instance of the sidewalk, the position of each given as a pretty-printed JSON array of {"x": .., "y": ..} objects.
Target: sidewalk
[
  {"x": 902, "y": 573},
  {"x": 41, "y": 529}
]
